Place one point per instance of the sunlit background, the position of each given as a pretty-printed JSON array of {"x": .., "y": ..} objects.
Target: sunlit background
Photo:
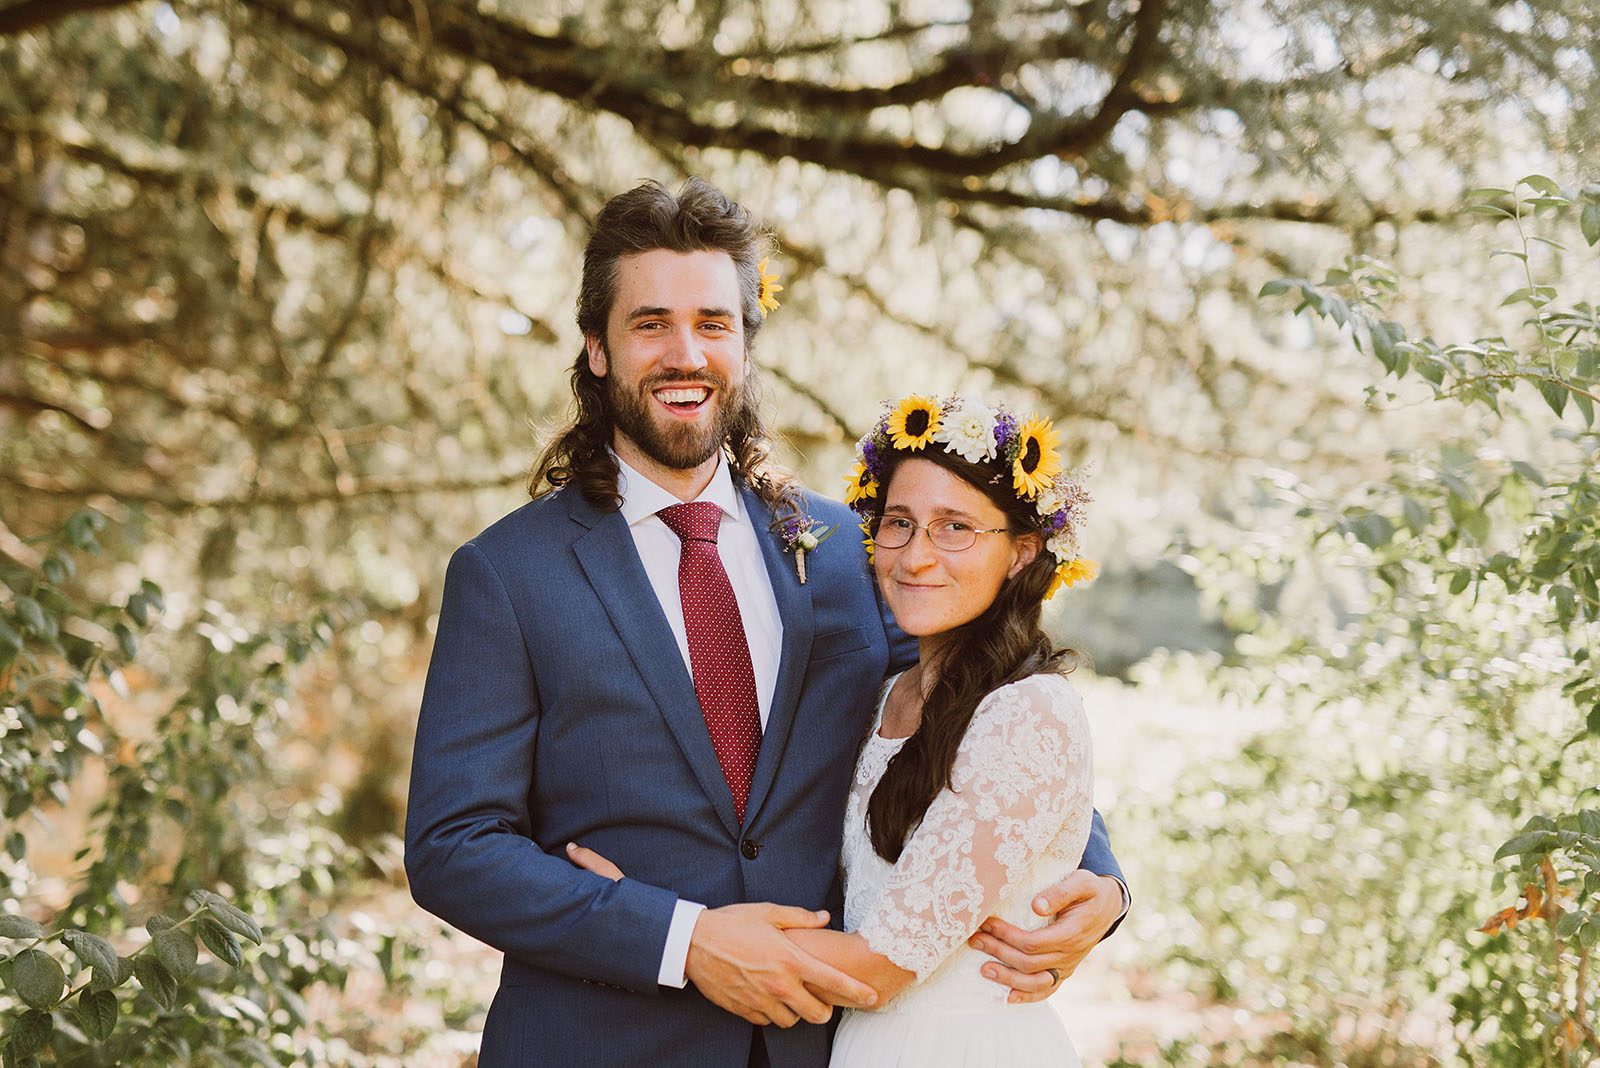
[{"x": 286, "y": 300}]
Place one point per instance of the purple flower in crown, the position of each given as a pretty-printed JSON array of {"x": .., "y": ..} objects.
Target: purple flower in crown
[
  {"x": 1057, "y": 520},
  {"x": 1005, "y": 431},
  {"x": 869, "y": 456}
]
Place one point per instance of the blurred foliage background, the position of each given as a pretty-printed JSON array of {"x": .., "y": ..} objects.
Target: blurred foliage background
[{"x": 285, "y": 300}]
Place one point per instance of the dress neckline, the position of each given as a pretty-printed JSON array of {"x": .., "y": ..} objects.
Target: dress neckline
[{"x": 883, "y": 703}]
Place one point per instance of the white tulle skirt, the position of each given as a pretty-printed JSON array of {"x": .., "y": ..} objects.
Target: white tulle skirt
[{"x": 1002, "y": 1036}]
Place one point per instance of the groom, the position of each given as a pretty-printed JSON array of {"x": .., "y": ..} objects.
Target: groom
[{"x": 651, "y": 678}]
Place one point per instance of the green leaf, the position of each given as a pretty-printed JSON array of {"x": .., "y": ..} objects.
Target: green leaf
[
  {"x": 1528, "y": 471},
  {"x": 97, "y": 1013},
  {"x": 92, "y": 950},
  {"x": 1519, "y": 501},
  {"x": 1275, "y": 287},
  {"x": 1524, "y": 844},
  {"x": 256, "y": 1050},
  {"x": 1541, "y": 184},
  {"x": 1460, "y": 581},
  {"x": 156, "y": 980},
  {"x": 139, "y": 609},
  {"x": 126, "y": 642},
  {"x": 231, "y": 917},
  {"x": 34, "y": 619},
  {"x": 1589, "y": 222},
  {"x": 19, "y": 927},
  {"x": 30, "y": 1034},
  {"x": 1586, "y": 406},
  {"x": 57, "y": 568},
  {"x": 1594, "y": 720},
  {"x": 1555, "y": 395},
  {"x": 220, "y": 941},
  {"x": 1373, "y": 530},
  {"x": 9, "y": 639},
  {"x": 1568, "y": 925},
  {"x": 1416, "y": 515},
  {"x": 37, "y": 978},
  {"x": 177, "y": 951},
  {"x": 111, "y": 978}
]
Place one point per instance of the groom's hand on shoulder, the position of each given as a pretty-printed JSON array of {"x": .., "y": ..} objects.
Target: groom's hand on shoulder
[
  {"x": 1084, "y": 905},
  {"x": 740, "y": 959}
]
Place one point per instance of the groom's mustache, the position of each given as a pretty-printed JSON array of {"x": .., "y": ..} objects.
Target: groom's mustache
[{"x": 699, "y": 378}]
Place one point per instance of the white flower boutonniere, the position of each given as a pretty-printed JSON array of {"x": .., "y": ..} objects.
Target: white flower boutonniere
[{"x": 801, "y": 536}]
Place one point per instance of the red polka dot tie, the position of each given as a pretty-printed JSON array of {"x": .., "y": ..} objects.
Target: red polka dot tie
[{"x": 719, "y": 655}]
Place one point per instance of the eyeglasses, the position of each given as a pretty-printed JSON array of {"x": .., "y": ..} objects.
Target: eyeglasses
[{"x": 951, "y": 535}]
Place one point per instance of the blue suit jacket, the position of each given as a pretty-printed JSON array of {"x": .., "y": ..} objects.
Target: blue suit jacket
[{"x": 558, "y": 708}]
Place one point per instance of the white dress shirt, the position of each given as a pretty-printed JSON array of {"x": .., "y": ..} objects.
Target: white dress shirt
[{"x": 737, "y": 544}]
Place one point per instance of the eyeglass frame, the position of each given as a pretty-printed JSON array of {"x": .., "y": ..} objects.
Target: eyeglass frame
[{"x": 877, "y": 529}]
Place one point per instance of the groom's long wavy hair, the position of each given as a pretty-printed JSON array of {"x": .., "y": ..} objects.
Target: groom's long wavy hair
[
  {"x": 1003, "y": 644},
  {"x": 698, "y": 218}
]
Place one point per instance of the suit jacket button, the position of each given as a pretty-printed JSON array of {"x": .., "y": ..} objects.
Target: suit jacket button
[{"x": 749, "y": 849}]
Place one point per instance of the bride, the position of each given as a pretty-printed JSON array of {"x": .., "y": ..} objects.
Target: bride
[{"x": 972, "y": 792}]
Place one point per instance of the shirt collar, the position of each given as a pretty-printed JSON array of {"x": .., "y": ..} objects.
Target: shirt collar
[{"x": 642, "y": 499}]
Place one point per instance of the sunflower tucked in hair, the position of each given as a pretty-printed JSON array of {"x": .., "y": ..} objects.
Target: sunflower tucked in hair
[
  {"x": 769, "y": 288},
  {"x": 913, "y": 423},
  {"x": 862, "y": 484},
  {"x": 1037, "y": 462}
]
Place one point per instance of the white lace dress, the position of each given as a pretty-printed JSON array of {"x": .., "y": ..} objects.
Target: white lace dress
[{"x": 1016, "y": 821}]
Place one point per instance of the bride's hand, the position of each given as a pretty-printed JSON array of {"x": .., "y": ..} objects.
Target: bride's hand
[
  {"x": 1033, "y": 963},
  {"x": 589, "y": 860}
]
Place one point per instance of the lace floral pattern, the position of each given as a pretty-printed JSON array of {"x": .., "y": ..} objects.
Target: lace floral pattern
[{"x": 1021, "y": 800}]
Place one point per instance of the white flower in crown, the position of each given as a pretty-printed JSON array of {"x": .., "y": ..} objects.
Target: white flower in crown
[
  {"x": 967, "y": 429},
  {"x": 1063, "y": 545},
  {"x": 1054, "y": 497}
]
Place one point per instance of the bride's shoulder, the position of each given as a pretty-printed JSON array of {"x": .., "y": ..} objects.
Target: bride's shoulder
[{"x": 1047, "y": 696}]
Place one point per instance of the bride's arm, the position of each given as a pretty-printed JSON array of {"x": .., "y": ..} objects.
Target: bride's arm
[
  {"x": 850, "y": 954},
  {"x": 1022, "y": 778}
]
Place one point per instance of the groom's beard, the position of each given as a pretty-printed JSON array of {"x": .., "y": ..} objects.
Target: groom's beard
[{"x": 680, "y": 446}]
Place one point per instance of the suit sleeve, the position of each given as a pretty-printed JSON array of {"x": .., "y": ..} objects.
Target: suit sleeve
[{"x": 470, "y": 854}]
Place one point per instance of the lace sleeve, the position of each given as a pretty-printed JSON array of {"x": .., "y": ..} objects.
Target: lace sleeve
[{"x": 1022, "y": 774}]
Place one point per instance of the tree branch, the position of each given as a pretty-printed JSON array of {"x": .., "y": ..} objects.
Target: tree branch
[{"x": 32, "y": 14}]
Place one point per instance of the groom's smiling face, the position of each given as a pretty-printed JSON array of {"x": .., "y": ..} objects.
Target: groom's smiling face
[{"x": 673, "y": 357}]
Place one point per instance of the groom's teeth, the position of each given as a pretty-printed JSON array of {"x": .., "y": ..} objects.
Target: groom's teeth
[{"x": 683, "y": 396}]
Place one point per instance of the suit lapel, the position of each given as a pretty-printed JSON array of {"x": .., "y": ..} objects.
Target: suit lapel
[
  {"x": 611, "y": 562},
  {"x": 795, "y": 610}
]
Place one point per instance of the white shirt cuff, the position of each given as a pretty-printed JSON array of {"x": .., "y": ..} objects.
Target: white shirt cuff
[{"x": 675, "y": 957}]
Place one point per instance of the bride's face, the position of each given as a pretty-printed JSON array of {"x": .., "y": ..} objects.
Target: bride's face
[{"x": 933, "y": 590}]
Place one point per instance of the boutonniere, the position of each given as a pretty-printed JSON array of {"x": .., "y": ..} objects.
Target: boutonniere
[{"x": 801, "y": 535}]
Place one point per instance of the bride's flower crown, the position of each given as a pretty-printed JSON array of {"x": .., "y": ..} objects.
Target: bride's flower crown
[{"x": 1022, "y": 453}]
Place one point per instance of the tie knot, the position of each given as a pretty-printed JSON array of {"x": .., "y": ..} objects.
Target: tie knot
[{"x": 697, "y": 520}]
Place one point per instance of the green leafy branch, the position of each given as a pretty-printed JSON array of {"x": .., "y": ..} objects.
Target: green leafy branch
[
  {"x": 1567, "y": 367},
  {"x": 1442, "y": 528},
  {"x": 36, "y": 978}
]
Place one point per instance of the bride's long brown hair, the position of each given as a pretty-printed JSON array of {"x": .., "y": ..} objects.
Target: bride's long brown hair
[{"x": 1003, "y": 644}]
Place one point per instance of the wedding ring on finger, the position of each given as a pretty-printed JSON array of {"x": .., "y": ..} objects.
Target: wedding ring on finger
[{"x": 1055, "y": 976}]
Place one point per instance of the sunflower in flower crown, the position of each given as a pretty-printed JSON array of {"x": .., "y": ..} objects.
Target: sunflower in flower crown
[
  {"x": 1078, "y": 569},
  {"x": 862, "y": 484},
  {"x": 914, "y": 422},
  {"x": 1037, "y": 462}
]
